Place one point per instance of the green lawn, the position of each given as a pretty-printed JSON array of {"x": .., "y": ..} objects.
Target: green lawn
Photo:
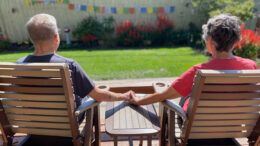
[{"x": 131, "y": 63}]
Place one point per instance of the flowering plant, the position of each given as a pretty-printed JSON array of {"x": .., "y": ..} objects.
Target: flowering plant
[
  {"x": 89, "y": 31},
  {"x": 248, "y": 46},
  {"x": 159, "y": 33},
  {"x": 128, "y": 33},
  {"x": 88, "y": 37},
  {"x": 4, "y": 43}
]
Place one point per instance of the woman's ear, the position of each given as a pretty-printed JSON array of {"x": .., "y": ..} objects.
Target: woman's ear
[{"x": 210, "y": 46}]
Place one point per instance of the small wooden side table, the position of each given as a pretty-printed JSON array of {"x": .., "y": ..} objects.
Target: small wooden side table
[{"x": 124, "y": 119}]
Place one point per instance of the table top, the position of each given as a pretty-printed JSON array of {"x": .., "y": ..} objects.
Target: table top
[{"x": 124, "y": 119}]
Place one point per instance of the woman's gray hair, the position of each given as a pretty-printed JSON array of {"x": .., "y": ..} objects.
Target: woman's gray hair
[
  {"x": 224, "y": 30},
  {"x": 42, "y": 27}
]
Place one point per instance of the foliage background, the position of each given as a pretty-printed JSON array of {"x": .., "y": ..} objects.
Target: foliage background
[{"x": 244, "y": 9}]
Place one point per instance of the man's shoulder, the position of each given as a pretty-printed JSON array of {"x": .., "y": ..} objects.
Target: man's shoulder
[
  {"x": 60, "y": 59},
  {"x": 57, "y": 58},
  {"x": 21, "y": 60}
]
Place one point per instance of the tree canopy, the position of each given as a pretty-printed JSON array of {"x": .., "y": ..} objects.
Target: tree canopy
[{"x": 244, "y": 9}]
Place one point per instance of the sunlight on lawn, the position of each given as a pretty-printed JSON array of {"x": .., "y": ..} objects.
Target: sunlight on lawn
[{"x": 130, "y": 63}]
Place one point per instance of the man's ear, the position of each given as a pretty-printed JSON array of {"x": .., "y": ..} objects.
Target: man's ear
[{"x": 57, "y": 38}]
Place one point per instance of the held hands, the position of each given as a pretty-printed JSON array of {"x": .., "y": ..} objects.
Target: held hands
[
  {"x": 133, "y": 99},
  {"x": 130, "y": 97},
  {"x": 127, "y": 95}
]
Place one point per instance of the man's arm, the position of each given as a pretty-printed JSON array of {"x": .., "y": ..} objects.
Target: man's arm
[
  {"x": 104, "y": 95},
  {"x": 169, "y": 93}
]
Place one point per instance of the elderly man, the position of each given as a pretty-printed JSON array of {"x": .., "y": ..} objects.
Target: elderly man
[{"x": 43, "y": 32}]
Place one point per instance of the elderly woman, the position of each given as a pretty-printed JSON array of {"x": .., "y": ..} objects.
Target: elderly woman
[{"x": 220, "y": 34}]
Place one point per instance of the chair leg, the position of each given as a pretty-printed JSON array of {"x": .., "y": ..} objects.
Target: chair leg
[
  {"x": 115, "y": 140},
  {"x": 97, "y": 125},
  {"x": 9, "y": 142},
  {"x": 149, "y": 140},
  {"x": 163, "y": 121},
  {"x": 257, "y": 141},
  {"x": 171, "y": 128},
  {"x": 88, "y": 127},
  {"x": 130, "y": 141},
  {"x": 141, "y": 141}
]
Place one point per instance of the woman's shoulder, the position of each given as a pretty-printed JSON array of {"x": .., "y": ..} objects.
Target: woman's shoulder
[{"x": 245, "y": 60}]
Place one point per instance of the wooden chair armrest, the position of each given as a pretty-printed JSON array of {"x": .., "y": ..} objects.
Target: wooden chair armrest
[
  {"x": 86, "y": 105},
  {"x": 174, "y": 107}
]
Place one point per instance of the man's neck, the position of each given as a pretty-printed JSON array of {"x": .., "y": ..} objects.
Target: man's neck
[
  {"x": 43, "y": 50},
  {"x": 42, "y": 53}
]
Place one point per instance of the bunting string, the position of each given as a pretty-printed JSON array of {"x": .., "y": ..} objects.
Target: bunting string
[
  {"x": 121, "y": 10},
  {"x": 103, "y": 9}
]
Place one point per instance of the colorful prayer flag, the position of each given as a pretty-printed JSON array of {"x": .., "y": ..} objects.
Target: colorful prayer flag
[
  {"x": 132, "y": 10},
  {"x": 27, "y": 3},
  {"x": 77, "y": 7},
  {"x": 46, "y": 2},
  {"x": 155, "y": 10},
  {"x": 119, "y": 10},
  {"x": 113, "y": 10},
  {"x": 66, "y": 1},
  {"x": 71, "y": 6},
  {"x": 161, "y": 9},
  {"x": 83, "y": 8},
  {"x": 107, "y": 10},
  {"x": 172, "y": 9},
  {"x": 126, "y": 10},
  {"x": 33, "y": 2},
  {"x": 90, "y": 9},
  {"x": 167, "y": 9},
  {"x": 149, "y": 10},
  {"x": 138, "y": 8},
  {"x": 59, "y": 1},
  {"x": 39, "y": 2},
  {"x": 52, "y": 2},
  {"x": 143, "y": 10},
  {"x": 103, "y": 10},
  {"x": 96, "y": 9}
]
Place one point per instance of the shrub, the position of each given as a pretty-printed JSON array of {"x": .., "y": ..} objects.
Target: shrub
[
  {"x": 191, "y": 37},
  {"x": 4, "y": 43},
  {"x": 248, "y": 46},
  {"x": 89, "y": 31},
  {"x": 108, "y": 36}
]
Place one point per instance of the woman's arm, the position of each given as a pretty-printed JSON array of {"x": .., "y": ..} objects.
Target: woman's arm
[
  {"x": 104, "y": 95},
  {"x": 169, "y": 93}
]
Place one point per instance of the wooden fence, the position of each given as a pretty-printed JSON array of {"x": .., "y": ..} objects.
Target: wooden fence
[{"x": 15, "y": 13}]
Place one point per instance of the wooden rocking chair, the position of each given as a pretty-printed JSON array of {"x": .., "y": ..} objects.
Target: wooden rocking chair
[
  {"x": 223, "y": 104},
  {"x": 37, "y": 98}
]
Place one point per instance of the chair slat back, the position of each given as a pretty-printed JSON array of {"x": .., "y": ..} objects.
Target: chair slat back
[
  {"x": 226, "y": 104},
  {"x": 34, "y": 98}
]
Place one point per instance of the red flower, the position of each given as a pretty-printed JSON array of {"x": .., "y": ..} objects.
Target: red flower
[
  {"x": 248, "y": 37},
  {"x": 88, "y": 37}
]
